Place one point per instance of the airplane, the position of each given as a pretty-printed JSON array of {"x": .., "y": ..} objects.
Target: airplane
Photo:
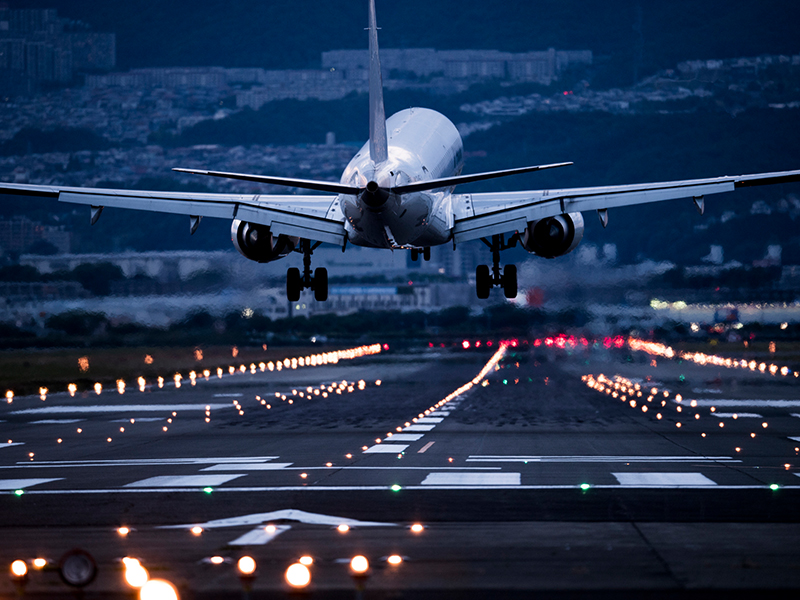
[{"x": 397, "y": 193}]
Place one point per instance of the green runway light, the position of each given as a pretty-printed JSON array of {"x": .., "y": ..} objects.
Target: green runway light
[
  {"x": 208, "y": 490},
  {"x": 774, "y": 487},
  {"x": 505, "y": 381},
  {"x": 19, "y": 492},
  {"x": 585, "y": 486},
  {"x": 396, "y": 488}
]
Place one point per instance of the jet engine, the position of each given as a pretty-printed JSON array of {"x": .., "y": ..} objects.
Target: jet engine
[
  {"x": 553, "y": 236},
  {"x": 257, "y": 242}
]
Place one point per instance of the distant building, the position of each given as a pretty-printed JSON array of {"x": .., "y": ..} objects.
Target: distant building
[
  {"x": 34, "y": 46},
  {"x": 20, "y": 234}
]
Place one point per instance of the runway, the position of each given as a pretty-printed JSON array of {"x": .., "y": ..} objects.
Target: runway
[{"x": 561, "y": 468}]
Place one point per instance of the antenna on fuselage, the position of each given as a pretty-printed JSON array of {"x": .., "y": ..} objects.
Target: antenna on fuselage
[{"x": 378, "y": 144}]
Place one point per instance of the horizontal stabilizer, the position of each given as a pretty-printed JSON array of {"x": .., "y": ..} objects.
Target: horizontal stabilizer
[
  {"x": 306, "y": 184},
  {"x": 433, "y": 184}
]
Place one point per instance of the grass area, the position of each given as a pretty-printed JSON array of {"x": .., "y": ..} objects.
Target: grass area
[{"x": 25, "y": 372}]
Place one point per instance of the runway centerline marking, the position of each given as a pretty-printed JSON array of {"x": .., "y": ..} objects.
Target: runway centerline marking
[
  {"x": 197, "y": 481},
  {"x": 603, "y": 459},
  {"x": 21, "y": 484},
  {"x": 386, "y": 448},
  {"x": 107, "y": 408},
  {"x": 448, "y": 479},
  {"x": 259, "y": 536},
  {"x": 661, "y": 479},
  {"x": 425, "y": 447}
]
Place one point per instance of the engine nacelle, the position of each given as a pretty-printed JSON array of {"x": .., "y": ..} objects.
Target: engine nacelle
[
  {"x": 257, "y": 242},
  {"x": 553, "y": 236}
]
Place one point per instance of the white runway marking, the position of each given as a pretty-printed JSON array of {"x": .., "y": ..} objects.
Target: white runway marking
[
  {"x": 440, "y": 413},
  {"x": 405, "y": 437},
  {"x": 228, "y": 395},
  {"x": 55, "y": 421},
  {"x": 139, "y": 420},
  {"x": 795, "y": 439},
  {"x": 386, "y": 448},
  {"x": 132, "y": 462},
  {"x": 248, "y": 467},
  {"x": 7, "y": 445},
  {"x": 430, "y": 420},
  {"x": 796, "y": 415},
  {"x": 425, "y": 447},
  {"x": 419, "y": 427},
  {"x": 472, "y": 479},
  {"x": 604, "y": 459},
  {"x": 259, "y": 536},
  {"x": 752, "y": 403},
  {"x": 742, "y": 415},
  {"x": 198, "y": 481},
  {"x": 286, "y": 514},
  {"x": 107, "y": 408},
  {"x": 662, "y": 479},
  {"x": 21, "y": 484}
]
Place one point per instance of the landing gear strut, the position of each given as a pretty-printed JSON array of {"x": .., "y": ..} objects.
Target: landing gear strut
[
  {"x": 415, "y": 252},
  {"x": 485, "y": 280},
  {"x": 296, "y": 283}
]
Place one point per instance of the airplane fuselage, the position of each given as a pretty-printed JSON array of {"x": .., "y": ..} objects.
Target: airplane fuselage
[{"x": 422, "y": 145}]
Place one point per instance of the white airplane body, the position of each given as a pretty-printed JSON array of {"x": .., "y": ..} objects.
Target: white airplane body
[{"x": 398, "y": 193}]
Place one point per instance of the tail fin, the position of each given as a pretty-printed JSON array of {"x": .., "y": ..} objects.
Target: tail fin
[{"x": 378, "y": 145}]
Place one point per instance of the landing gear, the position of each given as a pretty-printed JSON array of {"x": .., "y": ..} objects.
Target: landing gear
[
  {"x": 296, "y": 283},
  {"x": 426, "y": 254},
  {"x": 485, "y": 279}
]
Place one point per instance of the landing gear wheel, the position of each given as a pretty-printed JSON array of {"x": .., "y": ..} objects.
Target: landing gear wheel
[
  {"x": 321, "y": 284},
  {"x": 294, "y": 284},
  {"x": 426, "y": 253},
  {"x": 510, "y": 281},
  {"x": 483, "y": 282},
  {"x": 414, "y": 255}
]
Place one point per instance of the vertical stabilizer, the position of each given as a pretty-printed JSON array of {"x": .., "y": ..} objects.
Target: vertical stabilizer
[{"x": 378, "y": 148}]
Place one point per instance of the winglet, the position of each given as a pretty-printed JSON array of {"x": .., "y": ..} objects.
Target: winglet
[{"x": 378, "y": 144}]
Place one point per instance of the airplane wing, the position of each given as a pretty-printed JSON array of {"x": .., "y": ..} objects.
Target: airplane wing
[
  {"x": 487, "y": 214},
  {"x": 314, "y": 217}
]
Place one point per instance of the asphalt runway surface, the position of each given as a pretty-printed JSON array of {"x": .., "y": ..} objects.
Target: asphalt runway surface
[{"x": 534, "y": 471}]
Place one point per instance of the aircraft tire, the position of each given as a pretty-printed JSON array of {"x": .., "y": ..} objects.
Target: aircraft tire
[
  {"x": 426, "y": 253},
  {"x": 414, "y": 255},
  {"x": 510, "y": 281},
  {"x": 321, "y": 284},
  {"x": 483, "y": 282},
  {"x": 294, "y": 284}
]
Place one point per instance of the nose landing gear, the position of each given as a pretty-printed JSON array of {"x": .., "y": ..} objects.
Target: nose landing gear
[
  {"x": 485, "y": 279},
  {"x": 296, "y": 283}
]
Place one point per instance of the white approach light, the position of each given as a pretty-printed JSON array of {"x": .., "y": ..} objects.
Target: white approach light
[
  {"x": 158, "y": 589},
  {"x": 298, "y": 576}
]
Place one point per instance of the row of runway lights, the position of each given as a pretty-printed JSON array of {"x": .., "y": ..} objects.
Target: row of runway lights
[
  {"x": 490, "y": 366},
  {"x": 315, "y": 360},
  {"x": 296, "y": 576},
  {"x": 633, "y": 394},
  {"x": 658, "y": 349}
]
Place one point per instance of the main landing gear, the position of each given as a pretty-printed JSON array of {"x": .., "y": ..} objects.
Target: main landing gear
[
  {"x": 296, "y": 283},
  {"x": 415, "y": 252},
  {"x": 485, "y": 280}
]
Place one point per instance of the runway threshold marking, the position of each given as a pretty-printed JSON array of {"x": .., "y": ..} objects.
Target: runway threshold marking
[
  {"x": 259, "y": 536},
  {"x": 449, "y": 479},
  {"x": 248, "y": 467},
  {"x": 603, "y": 459},
  {"x": 416, "y": 427},
  {"x": 21, "y": 484},
  {"x": 662, "y": 479},
  {"x": 386, "y": 448},
  {"x": 405, "y": 437},
  {"x": 425, "y": 420},
  {"x": 425, "y": 447},
  {"x": 196, "y": 481}
]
